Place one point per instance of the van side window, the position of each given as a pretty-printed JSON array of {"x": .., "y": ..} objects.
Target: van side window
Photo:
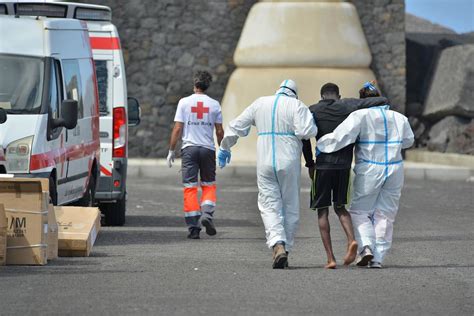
[
  {"x": 89, "y": 101},
  {"x": 102, "y": 74},
  {"x": 73, "y": 83},
  {"x": 54, "y": 93}
]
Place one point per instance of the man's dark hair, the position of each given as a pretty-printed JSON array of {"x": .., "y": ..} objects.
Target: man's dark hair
[
  {"x": 202, "y": 80},
  {"x": 329, "y": 89},
  {"x": 368, "y": 93}
]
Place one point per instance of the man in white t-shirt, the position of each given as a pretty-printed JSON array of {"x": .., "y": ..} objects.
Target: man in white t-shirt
[{"x": 196, "y": 117}]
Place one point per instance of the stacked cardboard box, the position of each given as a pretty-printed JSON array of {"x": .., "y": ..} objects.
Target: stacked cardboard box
[
  {"x": 26, "y": 207},
  {"x": 3, "y": 236},
  {"x": 52, "y": 234},
  {"x": 78, "y": 229}
]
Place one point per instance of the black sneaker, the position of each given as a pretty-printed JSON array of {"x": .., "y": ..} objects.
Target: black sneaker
[
  {"x": 210, "y": 228},
  {"x": 194, "y": 233},
  {"x": 365, "y": 257}
]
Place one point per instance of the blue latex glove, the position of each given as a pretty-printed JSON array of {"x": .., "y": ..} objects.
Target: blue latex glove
[
  {"x": 223, "y": 157},
  {"x": 317, "y": 152}
]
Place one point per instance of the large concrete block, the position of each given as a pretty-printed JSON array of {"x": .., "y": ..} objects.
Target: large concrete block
[
  {"x": 302, "y": 34},
  {"x": 452, "y": 90},
  {"x": 247, "y": 84}
]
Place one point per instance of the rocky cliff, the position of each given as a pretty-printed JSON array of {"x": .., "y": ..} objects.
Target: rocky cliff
[{"x": 440, "y": 85}]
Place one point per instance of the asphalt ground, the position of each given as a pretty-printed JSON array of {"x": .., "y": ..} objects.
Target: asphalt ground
[{"x": 149, "y": 267}]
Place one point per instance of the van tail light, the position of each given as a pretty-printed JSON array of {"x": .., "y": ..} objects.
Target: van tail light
[{"x": 120, "y": 133}]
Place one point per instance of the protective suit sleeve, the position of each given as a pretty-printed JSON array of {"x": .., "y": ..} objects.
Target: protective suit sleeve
[
  {"x": 303, "y": 121},
  {"x": 357, "y": 104},
  {"x": 346, "y": 133},
  {"x": 408, "y": 137},
  {"x": 238, "y": 127}
]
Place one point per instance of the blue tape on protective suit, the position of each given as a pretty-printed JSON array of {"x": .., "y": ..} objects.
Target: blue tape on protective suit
[
  {"x": 277, "y": 134},
  {"x": 273, "y": 135},
  {"x": 383, "y": 163},
  {"x": 386, "y": 140},
  {"x": 364, "y": 142}
]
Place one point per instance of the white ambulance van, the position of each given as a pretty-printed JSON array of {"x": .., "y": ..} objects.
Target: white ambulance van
[
  {"x": 48, "y": 89},
  {"x": 117, "y": 110}
]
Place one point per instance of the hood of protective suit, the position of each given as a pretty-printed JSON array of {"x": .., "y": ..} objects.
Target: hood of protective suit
[{"x": 289, "y": 88}]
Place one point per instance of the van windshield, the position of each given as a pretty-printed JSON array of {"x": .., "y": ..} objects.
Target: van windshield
[{"x": 21, "y": 84}]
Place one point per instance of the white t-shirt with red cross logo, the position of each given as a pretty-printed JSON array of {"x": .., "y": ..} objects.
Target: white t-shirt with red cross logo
[{"x": 199, "y": 113}]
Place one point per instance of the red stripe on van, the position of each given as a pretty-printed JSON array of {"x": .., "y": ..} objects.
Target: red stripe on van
[
  {"x": 51, "y": 158},
  {"x": 105, "y": 43},
  {"x": 105, "y": 171}
]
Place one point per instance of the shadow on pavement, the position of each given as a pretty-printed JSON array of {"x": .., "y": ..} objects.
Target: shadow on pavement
[
  {"x": 142, "y": 237},
  {"x": 435, "y": 238},
  {"x": 176, "y": 221},
  {"x": 444, "y": 266},
  {"x": 154, "y": 221},
  {"x": 353, "y": 267},
  {"x": 18, "y": 271}
]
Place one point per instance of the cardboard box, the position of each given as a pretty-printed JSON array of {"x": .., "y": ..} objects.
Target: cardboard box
[
  {"x": 52, "y": 234},
  {"x": 78, "y": 229},
  {"x": 26, "y": 206},
  {"x": 3, "y": 236}
]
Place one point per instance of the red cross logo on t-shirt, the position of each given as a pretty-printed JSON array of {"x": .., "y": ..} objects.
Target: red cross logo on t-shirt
[{"x": 200, "y": 109}]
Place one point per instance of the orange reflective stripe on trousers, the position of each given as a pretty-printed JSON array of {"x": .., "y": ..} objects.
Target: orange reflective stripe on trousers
[
  {"x": 208, "y": 194},
  {"x": 191, "y": 202}
]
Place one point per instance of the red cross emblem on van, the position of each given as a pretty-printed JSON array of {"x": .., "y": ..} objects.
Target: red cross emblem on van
[{"x": 200, "y": 109}]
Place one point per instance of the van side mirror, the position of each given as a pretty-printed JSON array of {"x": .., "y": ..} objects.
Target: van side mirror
[
  {"x": 134, "y": 112},
  {"x": 3, "y": 116},
  {"x": 68, "y": 115}
]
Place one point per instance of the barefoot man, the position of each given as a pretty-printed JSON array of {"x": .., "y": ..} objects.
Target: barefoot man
[
  {"x": 380, "y": 135},
  {"x": 331, "y": 173}
]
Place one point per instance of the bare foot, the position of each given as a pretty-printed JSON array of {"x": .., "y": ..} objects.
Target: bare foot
[
  {"x": 330, "y": 265},
  {"x": 351, "y": 253}
]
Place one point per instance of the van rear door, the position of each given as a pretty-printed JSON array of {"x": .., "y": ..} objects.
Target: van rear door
[
  {"x": 104, "y": 84},
  {"x": 102, "y": 44}
]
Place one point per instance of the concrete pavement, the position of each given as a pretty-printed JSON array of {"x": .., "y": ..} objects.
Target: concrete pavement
[{"x": 149, "y": 267}]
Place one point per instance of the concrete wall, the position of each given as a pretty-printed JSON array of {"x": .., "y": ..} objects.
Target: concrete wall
[{"x": 165, "y": 41}]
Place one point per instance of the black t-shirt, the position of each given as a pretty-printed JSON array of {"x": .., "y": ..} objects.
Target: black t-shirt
[{"x": 328, "y": 114}]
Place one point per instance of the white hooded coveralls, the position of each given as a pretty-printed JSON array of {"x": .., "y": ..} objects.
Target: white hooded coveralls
[
  {"x": 282, "y": 121},
  {"x": 380, "y": 135}
]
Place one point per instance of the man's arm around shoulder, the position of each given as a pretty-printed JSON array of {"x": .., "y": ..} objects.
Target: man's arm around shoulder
[{"x": 357, "y": 104}]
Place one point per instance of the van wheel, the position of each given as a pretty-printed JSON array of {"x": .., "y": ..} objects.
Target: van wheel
[
  {"x": 53, "y": 194},
  {"x": 88, "y": 199},
  {"x": 114, "y": 213}
]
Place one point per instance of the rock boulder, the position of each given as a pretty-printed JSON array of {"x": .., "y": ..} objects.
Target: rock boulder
[
  {"x": 423, "y": 51},
  {"x": 453, "y": 135},
  {"x": 452, "y": 89}
]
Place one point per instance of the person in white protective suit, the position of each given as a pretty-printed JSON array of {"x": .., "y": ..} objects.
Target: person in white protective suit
[
  {"x": 380, "y": 135},
  {"x": 282, "y": 121}
]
